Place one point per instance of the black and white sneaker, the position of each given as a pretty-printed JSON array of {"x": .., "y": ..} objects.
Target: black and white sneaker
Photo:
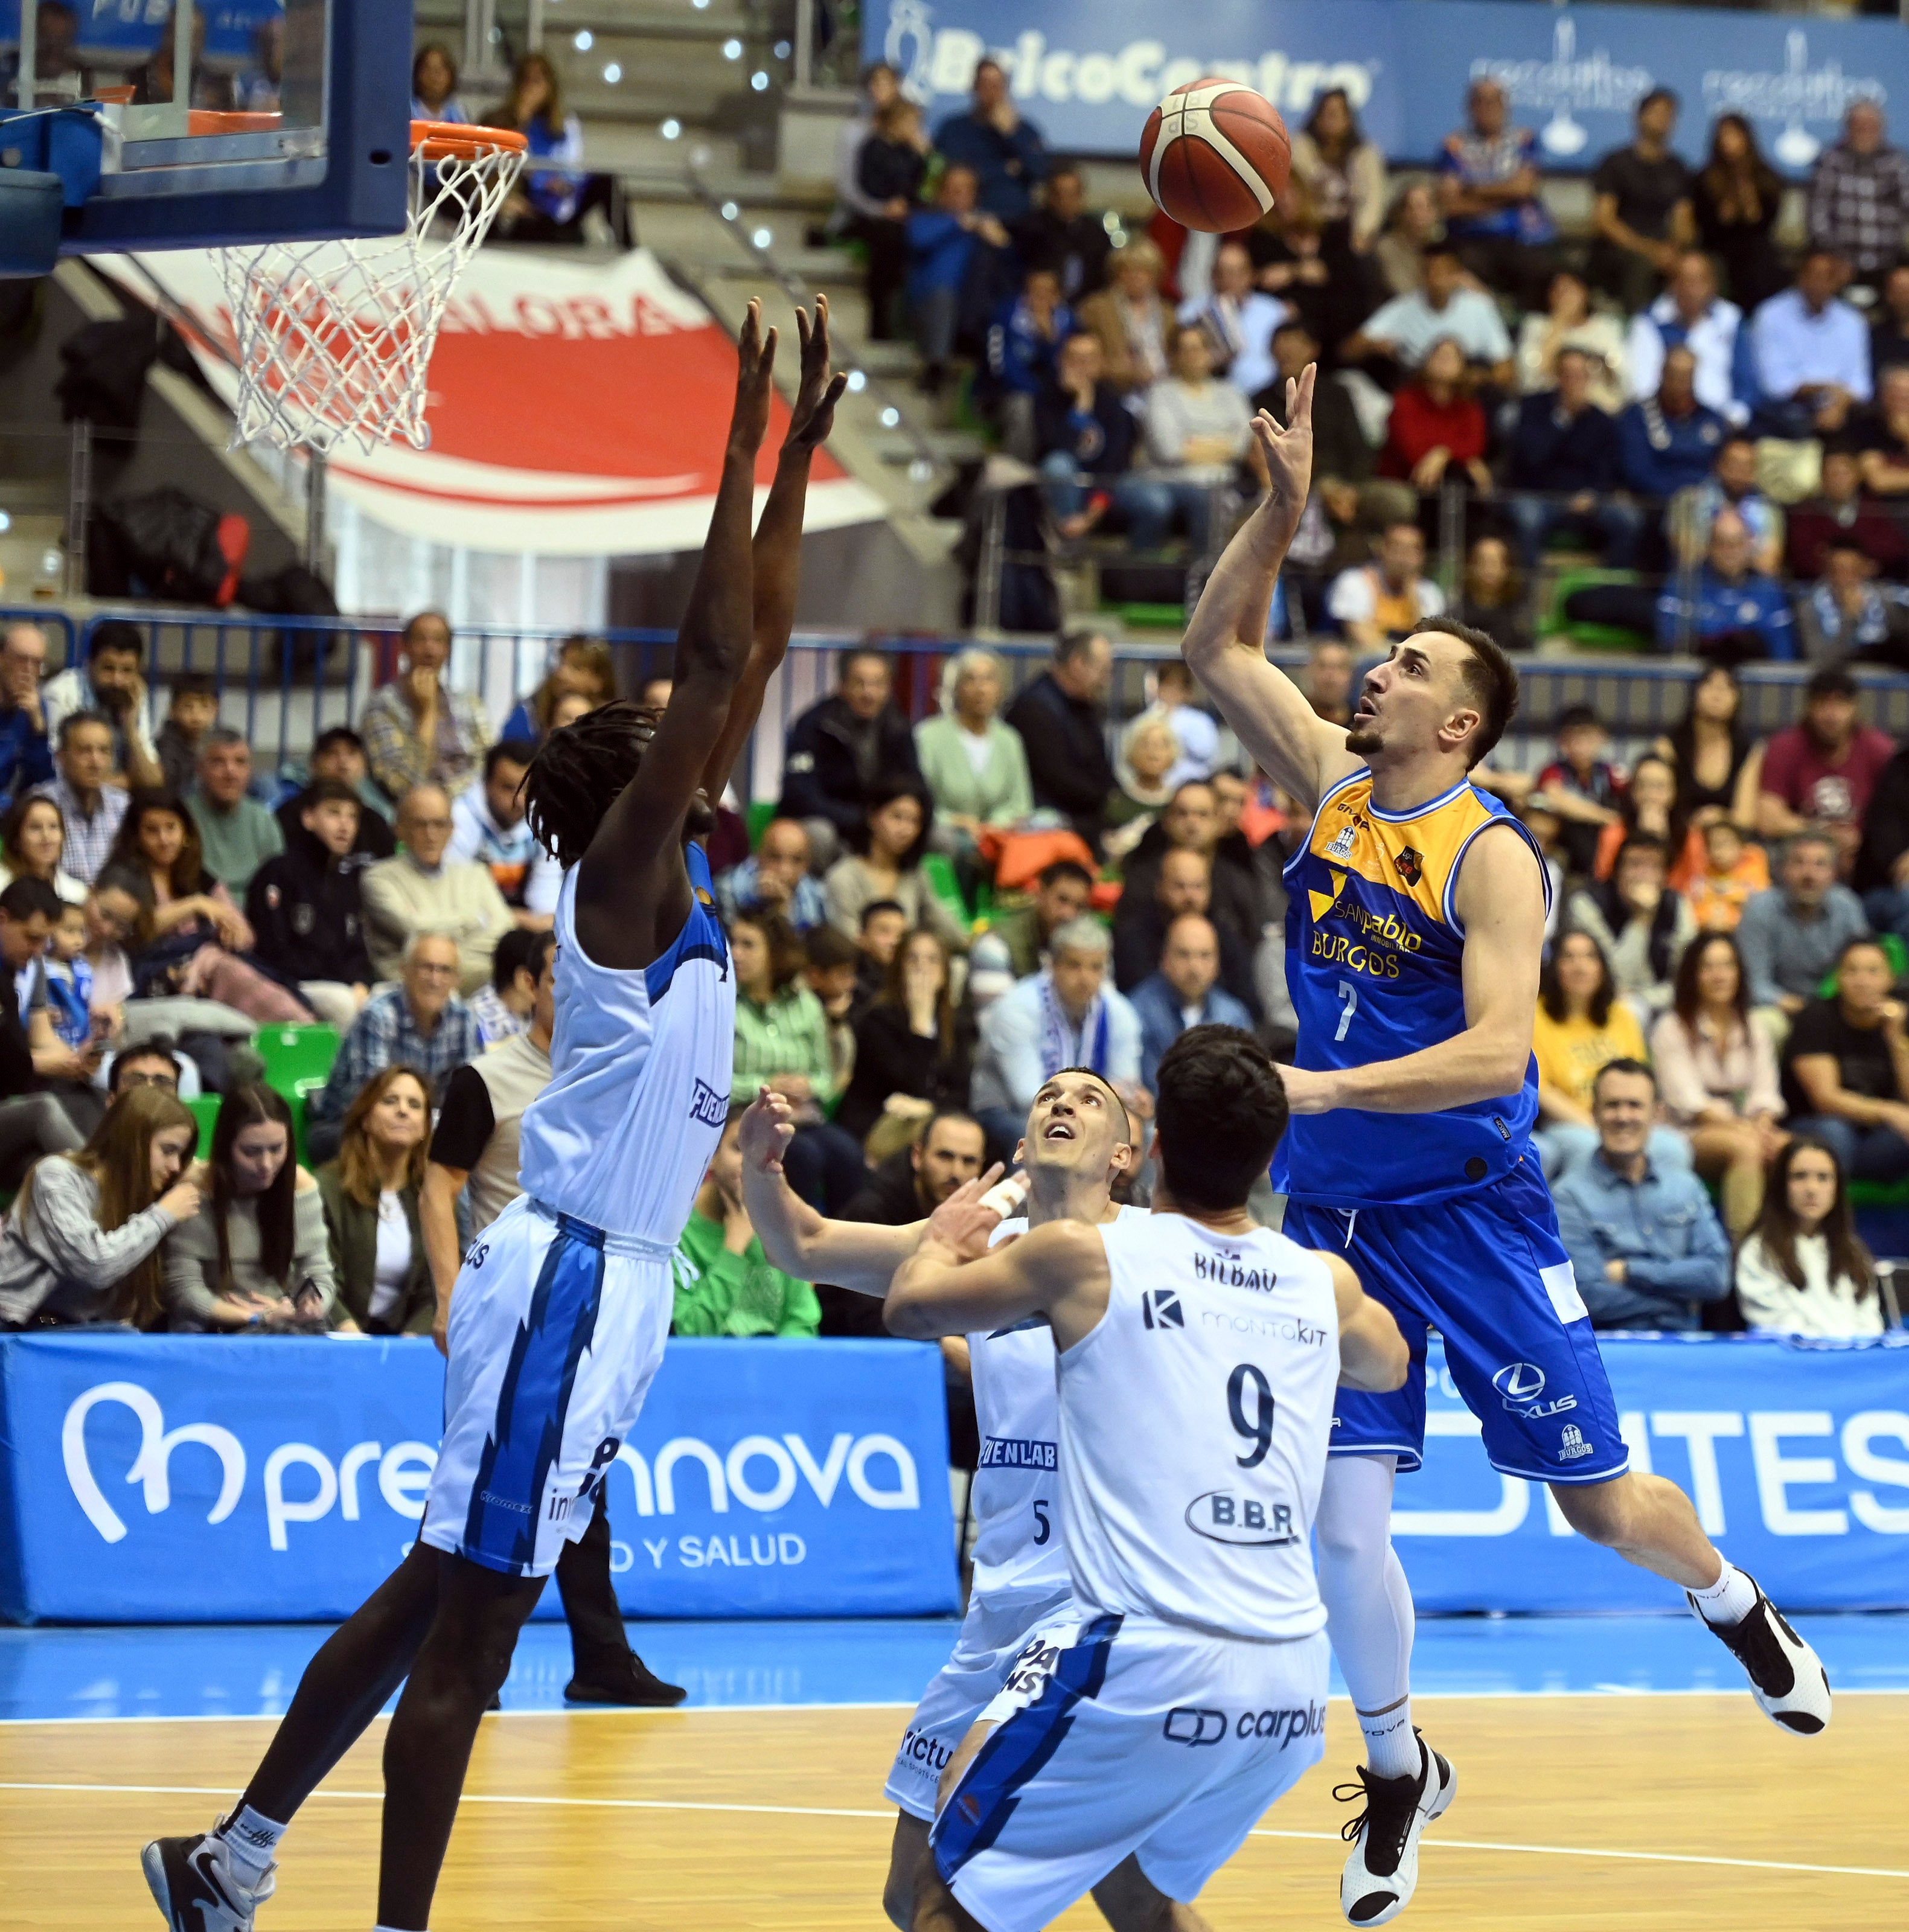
[
  {"x": 1787, "y": 1678},
  {"x": 1382, "y": 1873},
  {"x": 195, "y": 1884}
]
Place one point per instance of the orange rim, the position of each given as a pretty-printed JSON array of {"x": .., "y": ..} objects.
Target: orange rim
[
  {"x": 213, "y": 121},
  {"x": 457, "y": 141}
]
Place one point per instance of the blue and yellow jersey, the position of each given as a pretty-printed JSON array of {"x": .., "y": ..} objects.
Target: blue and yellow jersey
[{"x": 1373, "y": 949}]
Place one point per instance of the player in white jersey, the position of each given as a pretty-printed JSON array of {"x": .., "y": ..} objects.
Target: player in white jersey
[
  {"x": 1077, "y": 1143},
  {"x": 558, "y": 1315},
  {"x": 1144, "y": 1732}
]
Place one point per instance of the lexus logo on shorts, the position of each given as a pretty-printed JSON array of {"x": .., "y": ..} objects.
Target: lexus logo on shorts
[{"x": 1522, "y": 1382}]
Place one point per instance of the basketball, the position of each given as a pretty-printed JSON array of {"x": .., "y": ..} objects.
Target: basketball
[{"x": 1214, "y": 153}]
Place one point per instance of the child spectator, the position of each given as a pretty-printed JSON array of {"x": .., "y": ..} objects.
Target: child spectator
[
  {"x": 193, "y": 712},
  {"x": 339, "y": 754},
  {"x": 1649, "y": 803},
  {"x": 1732, "y": 869},
  {"x": 70, "y": 980},
  {"x": 725, "y": 1285},
  {"x": 1580, "y": 784},
  {"x": 306, "y": 917},
  {"x": 831, "y": 973},
  {"x": 883, "y": 925},
  {"x": 1641, "y": 923},
  {"x": 488, "y": 825},
  {"x": 504, "y": 1009},
  {"x": 1804, "y": 1270},
  {"x": 255, "y": 1256}
]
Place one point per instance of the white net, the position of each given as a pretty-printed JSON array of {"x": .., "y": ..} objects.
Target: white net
[{"x": 335, "y": 338}]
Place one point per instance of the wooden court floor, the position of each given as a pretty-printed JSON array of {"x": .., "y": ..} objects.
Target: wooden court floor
[{"x": 730, "y": 1821}]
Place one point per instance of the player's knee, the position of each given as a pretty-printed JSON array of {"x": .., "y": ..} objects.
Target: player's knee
[{"x": 1598, "y": 1512}]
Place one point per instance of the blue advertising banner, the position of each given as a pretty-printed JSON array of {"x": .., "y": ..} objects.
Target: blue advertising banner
[
  {"x": 1796, "y": 1456},
  {"x": 1087, "y": 72},
  {"x": 202, "y": 1479},
  {"x": 125, "y": 28}
]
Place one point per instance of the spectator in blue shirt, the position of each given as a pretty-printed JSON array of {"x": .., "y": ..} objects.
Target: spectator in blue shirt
[
  {"x": 26, "y": 759},
  {"x": 1669, "y": 440},
  {"x": 1084, "y": 440},
  {"x": 1691, "y": 314},
  {"x": 1488, "y": 184},
  {"x": 949, "y": 269},
  {"x": 1644, "y": 1242},
  {"x": 1024, "y": 344},
  {"x": 1004, "y": 151},
  {"x": 776, "y": 879},
  {"x": 1565, "y": 448},
  {"x": 1732, "y": 613},
  {"x": 1184, "y": 992},
  {"x": 1812, "y": 354}
]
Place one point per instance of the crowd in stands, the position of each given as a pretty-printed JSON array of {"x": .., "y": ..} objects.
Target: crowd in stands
[{"x": 1661, "y": 399}]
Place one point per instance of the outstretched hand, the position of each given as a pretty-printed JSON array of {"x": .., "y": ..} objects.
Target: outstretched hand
[
  {"x": 755, "y": 367},
  {"x": 1288, "y": 453},
  {"x": 813, "y": 414},
  {"x": 767, "y": 1128},
  {"x": 965, "y": 1222}
]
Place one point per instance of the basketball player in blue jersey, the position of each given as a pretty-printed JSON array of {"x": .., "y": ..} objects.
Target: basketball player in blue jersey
[
  {"x": 560, "y": 1313},
  {"x": 1417, "y": 905},
  {"x": 1196, "y": 1358}
]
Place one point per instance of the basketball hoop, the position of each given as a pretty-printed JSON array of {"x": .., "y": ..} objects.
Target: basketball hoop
[{"x": 335, "y": 338}]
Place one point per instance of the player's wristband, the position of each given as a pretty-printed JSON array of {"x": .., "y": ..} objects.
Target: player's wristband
[{"x": 1007, "y": 1196}]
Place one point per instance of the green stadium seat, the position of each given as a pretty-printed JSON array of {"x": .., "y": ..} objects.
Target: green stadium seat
[
  {"x": 292, "y": 1053},
  {"x": 761, "y": 811},
  {"x": 297, "y": 1098},
  {"x": 204, "y": 1107},
  {"x": 1591, "y": 637},
  {"x": 1879, "y": 1193},
  {"x": 938, "y": 870},
  {"x": 1893, "y": 948}
]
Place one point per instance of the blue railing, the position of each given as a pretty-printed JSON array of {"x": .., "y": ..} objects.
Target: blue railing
[{"x": 282, "y": 680}]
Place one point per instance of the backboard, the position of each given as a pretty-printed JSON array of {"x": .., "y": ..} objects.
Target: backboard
[{"x": 287, "y": 120}]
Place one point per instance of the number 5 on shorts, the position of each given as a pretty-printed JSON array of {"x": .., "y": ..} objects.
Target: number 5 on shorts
[{"x": 1349, "y": 994}]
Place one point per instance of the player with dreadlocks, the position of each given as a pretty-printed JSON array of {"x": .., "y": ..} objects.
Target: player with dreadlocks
[{"x": 560, "y": 1313}]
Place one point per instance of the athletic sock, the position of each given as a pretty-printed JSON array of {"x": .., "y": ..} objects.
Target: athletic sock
[
  {"x": 251, "y": 1841},
  {"x": 1391, "y": 1745},
  {"x": 1729, "y": 1600}
]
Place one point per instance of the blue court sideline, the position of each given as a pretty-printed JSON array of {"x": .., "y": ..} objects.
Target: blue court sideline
[{"x": 250, "y": 1670}]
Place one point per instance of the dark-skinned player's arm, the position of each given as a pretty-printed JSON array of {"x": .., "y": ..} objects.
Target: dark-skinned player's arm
[
  {"x": 954, "y": 1283},
  {"x": 1225, "y": 643},
  {"x": 861, "y": 1255},
  {"x": 1372, "y": 1355},
  {"x": 1500, "y": 904},
  {"x": 777, "y": 553},
  {"x": 632, "y": 891}
]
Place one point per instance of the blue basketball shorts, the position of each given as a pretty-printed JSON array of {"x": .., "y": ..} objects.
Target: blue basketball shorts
[
  {"x": 1488, "y": 1271},
  {"x": 557, "y": 1332}
]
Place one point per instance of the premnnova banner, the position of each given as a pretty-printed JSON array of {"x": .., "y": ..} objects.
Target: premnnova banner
[
  {"x": 199, "y": 1479},
  {"x": 1087, "y": 72},
  {"x": 1796, "y": 1456}
]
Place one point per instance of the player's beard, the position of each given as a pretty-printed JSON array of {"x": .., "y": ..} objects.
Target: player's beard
[{"x": 1364, "y": 743}]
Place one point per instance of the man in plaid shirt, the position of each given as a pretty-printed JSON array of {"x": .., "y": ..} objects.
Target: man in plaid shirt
[
  {"x": 420, "y": 1022},
  {"x": 1859, "y": 196},
  {"x": 90, "y": 808}
]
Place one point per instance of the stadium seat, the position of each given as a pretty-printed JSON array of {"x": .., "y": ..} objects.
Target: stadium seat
[
  {"x": 761, "y": 811},
  {"x": 1591, "y": 637},
  {"x": 939, "y": 871},
  {"x": 204, "y": 1107},
  {"x": 1893, "y": 950},
  {"x": 292, "y": 1054}
]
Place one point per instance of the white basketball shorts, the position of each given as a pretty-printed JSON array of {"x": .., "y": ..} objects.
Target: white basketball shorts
[
  {"x": 993, "y": 1636},
  {"x": 1122, "y": 1734},
  {"x": 557, "y": 1332}
]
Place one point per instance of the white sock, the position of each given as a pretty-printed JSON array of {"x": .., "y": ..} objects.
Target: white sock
[
  {"x": 251, "y": 1841},
  {"x": 1729, "y": 1600},
  {"x": 1391, "y": 1745}
]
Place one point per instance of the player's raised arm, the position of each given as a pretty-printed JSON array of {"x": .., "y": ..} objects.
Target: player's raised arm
[
  {"x": 861, "y": 1255},
  {"x": 1372, "y": 1354},
  {"x": 615, "y": 885},
  {"x": 953, "y": 1284},
  {"x": 1500, "y": 903},
  {"x": 1225, "y": 646},
  {"x": 776, "y": 556}
]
